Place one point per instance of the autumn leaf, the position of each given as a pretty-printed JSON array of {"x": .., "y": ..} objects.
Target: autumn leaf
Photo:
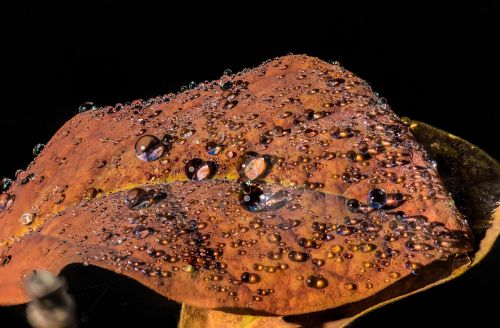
[{"x": 287, "y": 190}]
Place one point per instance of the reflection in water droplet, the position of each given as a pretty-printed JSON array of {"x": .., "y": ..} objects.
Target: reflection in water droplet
[
  {"x": 6, "y": 201},
  {"x": 377, "y": 198},
  {"x": 316, "y": 282},
  {"x": 148, "y": 148},
  {"x": 255, "y": 199},
  {"x": 137, "y": 198},
  {"x": 353, "y": 205},
  {"x": 197, "y": 170}
]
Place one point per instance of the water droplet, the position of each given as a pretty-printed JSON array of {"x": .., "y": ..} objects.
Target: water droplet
[
  {"x": 226, "y": 85},
  {"x": 297, "y": 256},
  {"x": 137, "y": 198},
  {"x": 197, "y": 169},
  {"x": 5, "y": 183},
  {"x": 255, "y": 199},
  {"x": 307, "y": 243},
  {"x": 86, "y": 106},
  {"x": 228, "y": 71},
  {"x": 336, "y": 249},
  {"x": 250, "y": 278},
  {"x": 334, "y": 82},
  {"x": 148, "y": 148},
  {"x": 317, "y": 282},
  {"x": 350, "y": 286},
  {"x": 26, "y": 219},
  {"x": 377, "y": 198},
  {"x": 365, "y": 247},
  {"x": 6, "y": 201},
  {"x": 90, "y": 193},
  {"x": 254, "y": 166},
  {"x": 213, "y": 148},
  {"x": 353, "y": 205},
  {"x": 38, "y": 149},
  {"x": 394, "y": 275},
  {"x": 192, "y": 85}
]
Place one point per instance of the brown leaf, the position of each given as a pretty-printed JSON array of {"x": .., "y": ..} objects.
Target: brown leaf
[{"x": 287, "y": 189}]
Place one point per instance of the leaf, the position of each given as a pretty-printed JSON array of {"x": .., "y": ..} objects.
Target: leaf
[{"x": 287, "y": 189}]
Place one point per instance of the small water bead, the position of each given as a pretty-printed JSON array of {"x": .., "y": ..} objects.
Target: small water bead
[
  {"x": 5, "y": 183},
  {"x": 148, "y": 148},
  {"x": 6, "y": 201},
  {"x": 377, "y": 198},
  {"x": 334, "y": 82},
  {"x": 350, "y": 286},
  {"x": 38, "y": 149},
  {"x": 394, "y": 275},
  {"x": 192, "y": 85},
  {"x": 307, "y": 243},
  {"x": 317, "y": 282},
  {"x": 228, "y": 71},
  {"x": 198, "y": 170},
  {"x": 86, "y": 106},
  {"x": 26, "y": 219},
  {"x": 366, "y": 247},
  {"x": 254, "y": 166},
  {"x": 250, "y": 278},
  {"x": 297, "y": 256},
  {"x": 274, "y": 237},
  {"x": 137, "y": 198},
  {"x": 213, "y": 148}
]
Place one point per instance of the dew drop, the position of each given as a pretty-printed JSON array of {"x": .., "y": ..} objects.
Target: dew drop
[
  {"x": 213, "y": 148},
  {"x": 148, "y": 148},
  {"x": 255, "y": 199},
  {"x": 197, "y": 169},
  {"x": 254, "y": 166},
  {"x": 6, "y": 201},
  {"x": 250, "y": 278},
  {"x": 26, "y": 219},
  {"x": 137, "y": 198},
  {"x": 317, "y": 282},
  {"x": 377, "y": 198},
  {"x": 297, "y": 256},
  {"x": 5, "y": 183},
  {"x": 86, "y": 106},
  {"x": 38, "y": 149}
]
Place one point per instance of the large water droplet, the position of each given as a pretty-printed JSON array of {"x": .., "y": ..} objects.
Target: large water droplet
[
  {"x": 5, "y": 183},
  {"x": 137, "y": 198},
  {"x": 254, "y": 166},
  {"x": 197, "y": 169},
  {"x": 377, "y": 198},
  {"x": 256, "y": 199},
  {"x": 38, "y": 149},
  {"x": 148, "y": 148},
  {"x": 6, "y": 201}
]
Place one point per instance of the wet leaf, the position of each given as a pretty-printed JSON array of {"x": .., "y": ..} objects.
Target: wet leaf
[{"x": 304, "y": 195}]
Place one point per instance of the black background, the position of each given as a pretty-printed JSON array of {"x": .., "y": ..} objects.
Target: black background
[{"x": 438, "y": 64}]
